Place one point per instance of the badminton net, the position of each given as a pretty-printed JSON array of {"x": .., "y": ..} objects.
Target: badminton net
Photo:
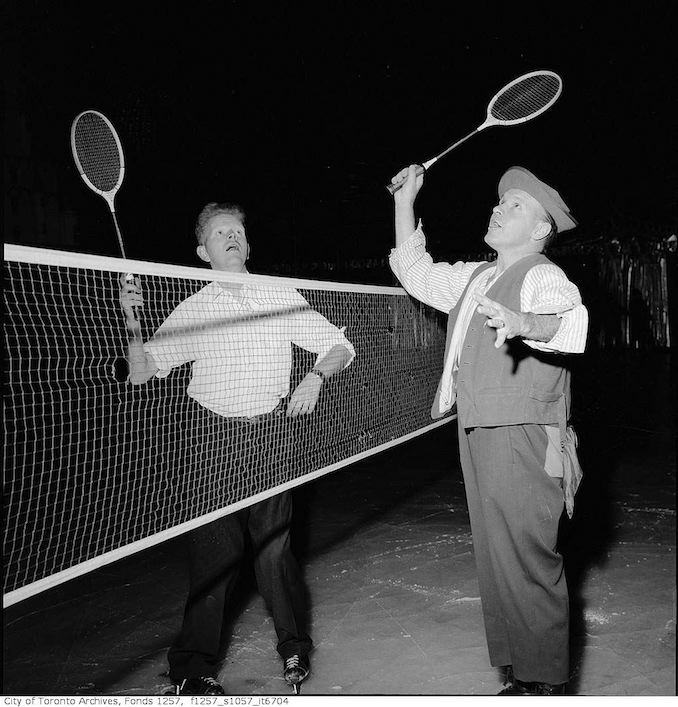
[{"x": 97, "y": 468}]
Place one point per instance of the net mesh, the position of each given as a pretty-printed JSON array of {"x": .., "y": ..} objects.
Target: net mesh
[
  {"x": 525, "y": 97},
  {"x": 93, "y": 463},
  {"x": 97, "y": 151}
]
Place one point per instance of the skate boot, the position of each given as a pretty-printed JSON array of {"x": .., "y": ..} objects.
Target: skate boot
[{"x": 296, "y": 669}]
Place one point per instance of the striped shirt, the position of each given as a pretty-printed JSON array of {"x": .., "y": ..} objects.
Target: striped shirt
[
  {"x": 241, "y": 346},
  {"x": 545, "y": 290}
]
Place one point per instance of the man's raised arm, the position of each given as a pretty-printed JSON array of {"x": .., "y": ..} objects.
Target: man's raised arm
[{"x": 404, "y": 202}]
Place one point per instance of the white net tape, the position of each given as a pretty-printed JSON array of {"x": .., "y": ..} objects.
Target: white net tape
[{"x": 97, "y": 468}]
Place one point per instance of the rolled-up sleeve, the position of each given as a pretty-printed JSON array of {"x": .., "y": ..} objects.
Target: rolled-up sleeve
[
  {"x": 546, "y": 290},
  {"x": 311, "y": 331},
  {"x": 172, "y": 343},
  {"x": 439, "y": 285}
]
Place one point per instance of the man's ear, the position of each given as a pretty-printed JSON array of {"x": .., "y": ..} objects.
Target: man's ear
[
  {"x": 541, "y": 231},
  {"x": 202, "y": 253}
]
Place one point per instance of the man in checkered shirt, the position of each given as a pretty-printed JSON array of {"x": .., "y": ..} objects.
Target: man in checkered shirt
[{"x": 237, "y": 336}]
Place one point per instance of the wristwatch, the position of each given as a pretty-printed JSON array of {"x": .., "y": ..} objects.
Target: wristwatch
[{"x": 320, "y": 374}]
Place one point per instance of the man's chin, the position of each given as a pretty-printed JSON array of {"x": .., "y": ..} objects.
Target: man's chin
[{"x": 232, "y": 264}]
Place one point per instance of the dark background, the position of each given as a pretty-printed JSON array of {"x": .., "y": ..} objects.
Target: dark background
[{"x": 302, "y": 112}]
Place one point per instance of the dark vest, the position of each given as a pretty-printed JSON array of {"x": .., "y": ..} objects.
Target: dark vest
[{"x": 514, "y": 384}]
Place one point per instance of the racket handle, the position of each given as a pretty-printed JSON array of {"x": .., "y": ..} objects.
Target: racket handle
[
  {"x": 131, "y": 278},
  {"x": 393, "y": 188}
]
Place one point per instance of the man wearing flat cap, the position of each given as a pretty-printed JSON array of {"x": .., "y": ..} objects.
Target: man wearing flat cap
[{"x": 510, "y": 321}]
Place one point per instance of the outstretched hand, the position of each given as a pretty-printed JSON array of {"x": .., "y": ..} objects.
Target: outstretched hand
[
  {"x": 303, "y": 400},
  {"x": 508, "y": 323}
]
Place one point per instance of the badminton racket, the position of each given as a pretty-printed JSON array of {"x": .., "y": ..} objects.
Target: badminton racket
[
  {"x": 520, "y": 100},
  {"x": 97, "y": 152},
  {"x": 98, "y": 155}
]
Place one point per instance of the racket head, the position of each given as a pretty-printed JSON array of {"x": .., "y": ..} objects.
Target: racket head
[
  {"x": 97, "y": 153},
  {"x": 524, "y": 98}
]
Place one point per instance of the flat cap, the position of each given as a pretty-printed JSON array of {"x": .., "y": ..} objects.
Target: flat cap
[{"x": 548, "y": 197}]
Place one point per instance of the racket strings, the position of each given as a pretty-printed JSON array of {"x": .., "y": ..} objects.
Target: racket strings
[
  {"x": 97, "y": 151},
  {"x": 525, "y": 98}
]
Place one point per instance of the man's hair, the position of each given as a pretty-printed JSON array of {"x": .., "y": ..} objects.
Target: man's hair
[
  {"x": 213, "y": 209},
  {"x": 548, "y": 241}
]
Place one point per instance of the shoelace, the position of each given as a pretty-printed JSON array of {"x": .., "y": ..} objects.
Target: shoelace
[
  {"x": 209, "y": 680},
  {"x": 293, "y": 661}
]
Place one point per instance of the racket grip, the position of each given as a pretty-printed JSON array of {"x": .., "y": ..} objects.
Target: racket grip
[
  {"x": 393, "y": 188},
  {"x": 130, "y": 277}
]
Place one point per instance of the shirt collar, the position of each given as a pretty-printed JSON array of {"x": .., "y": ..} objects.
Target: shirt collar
[{"x": 215, "y": 289}]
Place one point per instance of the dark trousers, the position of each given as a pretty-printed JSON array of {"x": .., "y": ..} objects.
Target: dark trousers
[
  {"x": 215, "y": 552},
  {"x": 515, "y": 508},
  {"x": 232, "y": 459}
]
